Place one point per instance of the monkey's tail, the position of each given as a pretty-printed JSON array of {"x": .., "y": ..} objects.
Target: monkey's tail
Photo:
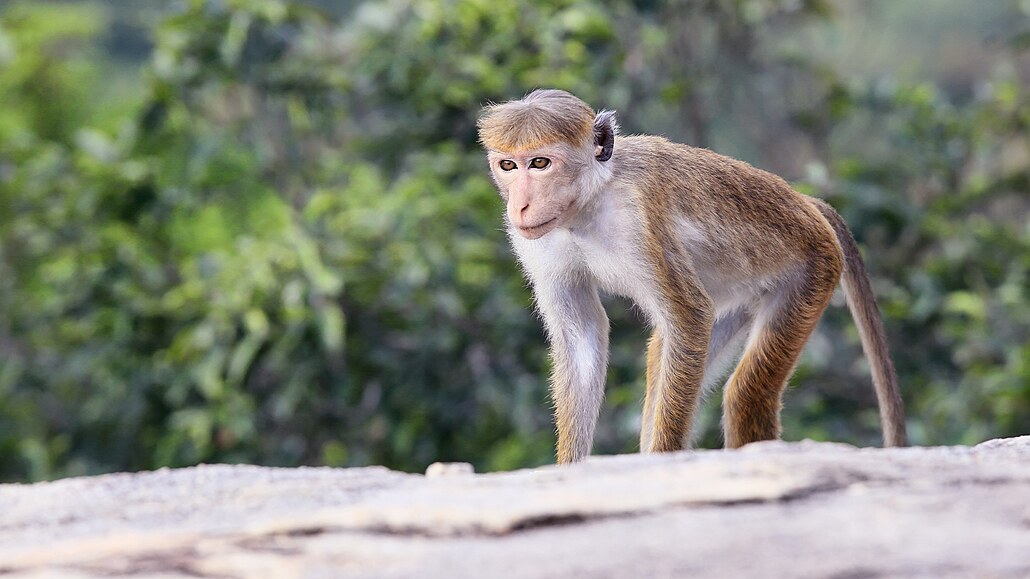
[{"x": 859, "y": 294}]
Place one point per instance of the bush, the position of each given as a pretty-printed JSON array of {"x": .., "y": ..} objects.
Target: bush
[{"x": 279, "y": 244}]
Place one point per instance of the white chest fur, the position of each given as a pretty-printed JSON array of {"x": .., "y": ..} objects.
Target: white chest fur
[{"x": 603, "y": 244}]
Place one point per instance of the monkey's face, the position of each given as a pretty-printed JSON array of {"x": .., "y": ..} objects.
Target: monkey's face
[{"x": 540, "y": 187}]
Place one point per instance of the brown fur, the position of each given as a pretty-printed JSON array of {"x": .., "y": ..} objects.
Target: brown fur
[
  {"x": 544, "y": 117},
  {"x": 736, "y": 199},
  {"x": 750, "y": 234},
  {"x": 861, "y": 302}
]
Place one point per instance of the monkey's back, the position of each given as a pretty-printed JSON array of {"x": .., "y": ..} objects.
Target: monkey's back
[{"x": 725, "y": 200}]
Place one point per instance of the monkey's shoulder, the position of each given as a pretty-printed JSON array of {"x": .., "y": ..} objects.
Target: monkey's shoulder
[
  {"x": 664, "y": 169},
  {"x": 647, "y": 152}
]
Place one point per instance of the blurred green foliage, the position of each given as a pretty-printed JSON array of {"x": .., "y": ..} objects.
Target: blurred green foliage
[{"x": 278, "y": 243}]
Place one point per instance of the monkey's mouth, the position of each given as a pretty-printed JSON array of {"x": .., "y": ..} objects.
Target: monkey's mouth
[{"x": 537, "y": 231}]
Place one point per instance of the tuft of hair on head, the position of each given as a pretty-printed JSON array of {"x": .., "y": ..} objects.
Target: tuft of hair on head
[{"x": 544, "y": 117}]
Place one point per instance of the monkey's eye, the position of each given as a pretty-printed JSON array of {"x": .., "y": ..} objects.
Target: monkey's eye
[
  {"x": 507, "y": 165},
  {"x": 539, "y": 163}
]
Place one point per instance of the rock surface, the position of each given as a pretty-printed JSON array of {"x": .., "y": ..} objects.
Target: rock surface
[{"x": 769, "y": 510}]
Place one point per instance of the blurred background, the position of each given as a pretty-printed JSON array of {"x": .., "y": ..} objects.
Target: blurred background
[{"x": 262, "y": 231}]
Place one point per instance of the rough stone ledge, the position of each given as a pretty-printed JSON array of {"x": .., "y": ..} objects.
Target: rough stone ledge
[{"x": 771, "y": 509}]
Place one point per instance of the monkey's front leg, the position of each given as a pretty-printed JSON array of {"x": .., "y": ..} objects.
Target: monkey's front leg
[
  {"x": 577, "y": 329},
  {"x": 676, "y": 359}
]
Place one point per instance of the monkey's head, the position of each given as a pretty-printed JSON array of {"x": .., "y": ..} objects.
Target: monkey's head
[{"x": 549, "y": 155}]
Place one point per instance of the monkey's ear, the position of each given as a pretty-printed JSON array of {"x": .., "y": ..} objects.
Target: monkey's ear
[{"x": 605, "y": 129}]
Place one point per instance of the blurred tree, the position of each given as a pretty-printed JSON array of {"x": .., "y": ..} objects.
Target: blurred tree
[{"x": 283, "y": 247}]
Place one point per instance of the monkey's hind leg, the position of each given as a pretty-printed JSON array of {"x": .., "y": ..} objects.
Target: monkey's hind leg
[{"x": 753, "y": 397}]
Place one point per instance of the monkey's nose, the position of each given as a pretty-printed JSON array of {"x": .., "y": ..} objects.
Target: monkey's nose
[{"x": 521, "y": 214}]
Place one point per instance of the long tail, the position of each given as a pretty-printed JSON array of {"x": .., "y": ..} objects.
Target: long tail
[{"x": 859, "y": 294}]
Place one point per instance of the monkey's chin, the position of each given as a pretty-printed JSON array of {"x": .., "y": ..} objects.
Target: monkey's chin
[{"x": 538, "y": 231}]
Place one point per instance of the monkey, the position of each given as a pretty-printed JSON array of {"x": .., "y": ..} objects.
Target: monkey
[{"x": 727, "y": 263}]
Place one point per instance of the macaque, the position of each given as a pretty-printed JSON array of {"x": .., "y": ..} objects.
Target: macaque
[{"x": 718, "y": 255}]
